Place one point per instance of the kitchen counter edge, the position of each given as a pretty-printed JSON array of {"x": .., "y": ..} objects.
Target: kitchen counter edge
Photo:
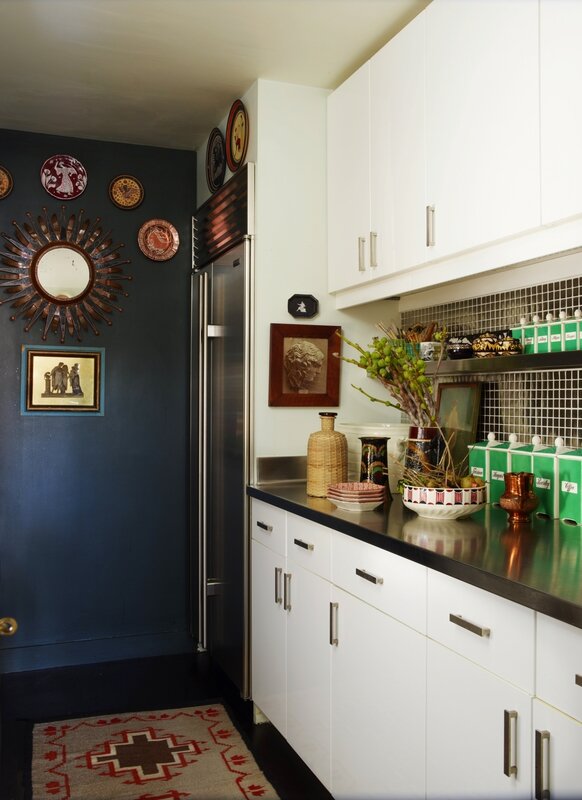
[{"x": 292, "y": 497}]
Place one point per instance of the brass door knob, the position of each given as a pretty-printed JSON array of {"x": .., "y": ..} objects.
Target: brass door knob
[{"x": 8, "y": 626}]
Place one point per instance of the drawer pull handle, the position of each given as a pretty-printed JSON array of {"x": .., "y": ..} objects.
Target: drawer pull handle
[
  {"x": 542, "y": 790},
  {"x": 366, "y": 575},
  {"x": 509, "y": 743},
  {"x": 373, "y": 250},
  {"x": 287, "y": 591},
  {"x": 457, "y": 619},
  {"x": 264, "y": 526},
  {"x": 304, "y": 545},
  {"x": 278, "y": 572},
  {"x": 333, "y": 612},
  {"x": 361, "y": 253},
  {"x": 578, "y": 680}
]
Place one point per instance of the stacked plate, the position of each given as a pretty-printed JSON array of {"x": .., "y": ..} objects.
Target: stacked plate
[{"x": 356, "y": 496}]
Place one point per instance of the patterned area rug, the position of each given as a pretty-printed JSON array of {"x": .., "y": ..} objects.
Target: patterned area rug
[{"x": 178, "y": 754}]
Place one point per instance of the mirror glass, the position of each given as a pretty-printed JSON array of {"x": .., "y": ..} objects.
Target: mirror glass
[{"x": 63, "y": 273}]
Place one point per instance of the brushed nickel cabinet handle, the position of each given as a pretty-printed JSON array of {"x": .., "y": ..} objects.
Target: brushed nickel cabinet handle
[
  {"x": 304, "y": 545},
  {"x": 457, "y": 619},
  {"x": 264, "y": 526},
  {"x": 368, "y": 577},
  {"x": 287, "y": 591},
  {"x": 510, "y": 743},
  {"x": 578, "y": 680},
  {"x": 542, "y": 790},
  {"x": 361, "y": 253},
  {"x": 373, "y": 249},
  {"x": 430, "y": 226},
  {"x": 278, "y": 572},
  {"x": 333, "y": 612}
]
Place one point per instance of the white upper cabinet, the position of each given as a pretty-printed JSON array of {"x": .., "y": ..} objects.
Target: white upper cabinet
[
  {"x": 398, "y": 150},
  {"x": 482, "y": 107},
  {"x": 348, "y": 184},
  {"x": 561, "y": 111},
  {"x": 376, "y": 165}
]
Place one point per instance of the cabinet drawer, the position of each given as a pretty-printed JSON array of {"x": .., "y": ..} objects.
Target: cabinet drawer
[
  {"x": 268, "y": 525},
  {"x": 309, "y": 545},
  {"x": 559, "y": 665},
  {"x": 392, "y": 584},
  {"x": 489, "y": 630}
]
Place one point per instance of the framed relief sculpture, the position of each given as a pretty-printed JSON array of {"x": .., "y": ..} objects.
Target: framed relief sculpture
[
  {"x": 304, "y": 365},
  {"x": 62, "y": 380}
]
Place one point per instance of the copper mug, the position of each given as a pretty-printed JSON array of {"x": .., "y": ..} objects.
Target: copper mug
[{"x": 519, "y": 498}]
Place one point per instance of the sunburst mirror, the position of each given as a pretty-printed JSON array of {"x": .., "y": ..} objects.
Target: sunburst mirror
[{"x": 64, "y": 272}]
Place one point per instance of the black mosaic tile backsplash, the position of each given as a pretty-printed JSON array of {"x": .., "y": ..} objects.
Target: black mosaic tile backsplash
[{"x": 545, "y": 402}]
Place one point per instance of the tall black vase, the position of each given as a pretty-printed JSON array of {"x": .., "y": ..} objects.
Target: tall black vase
[{"x": 424, "y": 448}]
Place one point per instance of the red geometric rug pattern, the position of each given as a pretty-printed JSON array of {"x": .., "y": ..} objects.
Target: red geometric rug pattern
[{"x": 179, "y": 754}]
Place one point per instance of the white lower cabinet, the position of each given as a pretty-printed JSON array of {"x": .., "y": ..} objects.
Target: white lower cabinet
[
  {"x": 478, "y": 731},
  {"x": 269, "y": 635},
  {"x": 378, "y": 703},
  {"x": 557, "y": 746},
  {"x": 308, "y": 666},
  {"x": 396, "y": 682}
]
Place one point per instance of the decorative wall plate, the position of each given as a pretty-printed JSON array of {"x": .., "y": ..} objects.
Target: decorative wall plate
[
  {"x": 237, "y": 135},
  {"x": 6, "y": 183},
  {"x": 215, "y": 160},
  {"x": 158, "y": 239},
  {"x": 125, "y": 191},
  {"x": 63, "y": 177}
]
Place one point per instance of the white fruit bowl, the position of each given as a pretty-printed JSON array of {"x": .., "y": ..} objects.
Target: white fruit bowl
[{"x": 441, "y": 503}]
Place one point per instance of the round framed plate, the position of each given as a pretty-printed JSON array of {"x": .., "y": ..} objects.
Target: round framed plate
[
  {"x": 125, "y": 191},
  {"x": 6, "y": 183},
  {"x": 215, "y": 160},
  {"x": 158, "y": 239},
  {"x": 63, "y": 177},
  {"x": 237, "y": 135}
]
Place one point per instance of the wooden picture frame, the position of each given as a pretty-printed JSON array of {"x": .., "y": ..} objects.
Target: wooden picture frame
[
  {"x": 458, "y": 415},
  {"x": 304, "y": 365},
  {"x": 62, "y": 380}
]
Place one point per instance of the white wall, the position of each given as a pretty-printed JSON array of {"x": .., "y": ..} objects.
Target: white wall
[{"x": 288, "y": 145}]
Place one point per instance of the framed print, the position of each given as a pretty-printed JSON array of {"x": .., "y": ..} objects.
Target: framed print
[
  {"x": 304, "y": 365},
  {"x": 458, "y": 414},
  {"x": 62, "y": 380}
]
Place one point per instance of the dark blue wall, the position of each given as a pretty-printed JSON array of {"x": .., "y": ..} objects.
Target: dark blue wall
[{"x": 94, "y": 511}]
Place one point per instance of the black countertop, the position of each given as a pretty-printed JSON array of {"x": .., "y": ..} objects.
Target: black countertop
[{"x": 538, "y": 565}]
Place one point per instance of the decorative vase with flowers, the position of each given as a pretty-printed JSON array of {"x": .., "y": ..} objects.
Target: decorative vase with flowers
[{"x": 395, "y": 363}]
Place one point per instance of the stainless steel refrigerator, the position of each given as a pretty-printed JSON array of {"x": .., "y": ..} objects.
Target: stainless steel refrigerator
[{"x": 221, "y": 457}]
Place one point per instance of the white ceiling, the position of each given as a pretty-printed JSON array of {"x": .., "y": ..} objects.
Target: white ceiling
[{"x": 164, "y": 72}]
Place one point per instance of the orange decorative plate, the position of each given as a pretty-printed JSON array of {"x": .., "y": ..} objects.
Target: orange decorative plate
[
  {"x": 158, "y": 239},
  {"x": 6, "y": 183},
  {"x": 125, "y": 191}
]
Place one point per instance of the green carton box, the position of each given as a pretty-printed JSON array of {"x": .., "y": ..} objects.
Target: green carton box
[{"x": 570, "y": 486}]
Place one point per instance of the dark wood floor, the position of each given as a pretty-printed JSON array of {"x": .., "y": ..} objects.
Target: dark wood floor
[{"x": 123, "y": 686}]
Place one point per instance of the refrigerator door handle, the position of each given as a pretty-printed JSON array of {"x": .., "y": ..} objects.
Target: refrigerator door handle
[{"x": 202, "y": 454}]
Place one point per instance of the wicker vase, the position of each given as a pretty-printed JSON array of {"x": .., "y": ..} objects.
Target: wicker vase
[{"x": 327, "y": 457}]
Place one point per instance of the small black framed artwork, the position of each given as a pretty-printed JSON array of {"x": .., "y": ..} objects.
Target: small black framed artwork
[
  {"x": 62, "y": 380},
  {"x": 304, "y": 365}
]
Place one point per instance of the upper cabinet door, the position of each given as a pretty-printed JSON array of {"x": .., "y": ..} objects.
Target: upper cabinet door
[
  {"x": 348, "y": 182},
  {"x": 561, "y": 110},
  {"x": 482, "y": 121},
  {"x": 398, "y": 150}
]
